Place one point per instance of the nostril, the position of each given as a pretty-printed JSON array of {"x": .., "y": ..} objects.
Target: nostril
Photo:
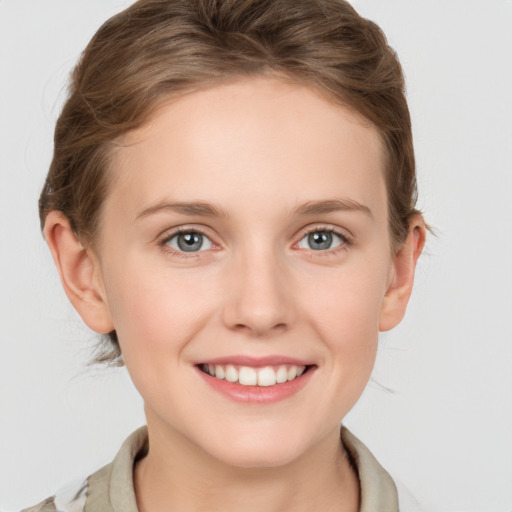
[{"x": 260, "y": 328}]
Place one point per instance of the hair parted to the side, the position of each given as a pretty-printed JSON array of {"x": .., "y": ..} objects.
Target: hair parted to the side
[{"x": 159, "y": 48}]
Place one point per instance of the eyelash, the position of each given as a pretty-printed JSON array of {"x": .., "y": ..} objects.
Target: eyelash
[
  {"x": 180, "y": 254},
  {"x": 347, "y": 242}
]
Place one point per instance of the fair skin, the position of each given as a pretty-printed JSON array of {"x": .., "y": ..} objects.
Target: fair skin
[{"x": 293, "y": 262}]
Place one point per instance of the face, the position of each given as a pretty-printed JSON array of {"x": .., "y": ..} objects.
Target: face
[{"x": 246, "y": 235}]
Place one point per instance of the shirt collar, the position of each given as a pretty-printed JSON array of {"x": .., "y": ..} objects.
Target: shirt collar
[{"x": 112, "y": 486}]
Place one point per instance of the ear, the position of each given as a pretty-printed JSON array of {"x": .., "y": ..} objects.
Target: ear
[
  {"x": 79, "y": 271},
  {"x": 402, "y": 275}
]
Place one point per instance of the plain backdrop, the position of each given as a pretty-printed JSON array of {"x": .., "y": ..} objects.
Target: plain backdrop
[{"x": 438, "y": 411}]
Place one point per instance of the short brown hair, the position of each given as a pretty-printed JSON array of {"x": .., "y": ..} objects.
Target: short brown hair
[{"x": 158, "y": 48}]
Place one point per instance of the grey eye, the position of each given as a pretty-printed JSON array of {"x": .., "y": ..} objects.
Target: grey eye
[
  {"x": 189, "y": 241},
  {"x": 320, "y": 240}
]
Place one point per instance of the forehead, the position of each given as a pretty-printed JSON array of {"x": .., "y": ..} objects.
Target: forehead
[{"x": 247, "y": 140}]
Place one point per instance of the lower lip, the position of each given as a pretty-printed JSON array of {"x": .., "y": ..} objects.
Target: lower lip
[{"x": 257, "y": 394}]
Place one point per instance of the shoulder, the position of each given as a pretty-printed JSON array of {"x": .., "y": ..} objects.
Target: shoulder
[
  {"x": 47, "y": 505},
  {"x": 108, "y": 489},
  {"x": 379, "y": 491},
  {"x": 70, "y": 498}
]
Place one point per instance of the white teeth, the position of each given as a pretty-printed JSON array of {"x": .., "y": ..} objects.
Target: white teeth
[
  {"x": 266, "y": 376},
  {"x": 292, "y": 372},
  {"x": 247, "y": 376},
  {"x": 231, "y": 374},
  {"x": 219, "y": 372},
  {"x": 281, "y": 375}
]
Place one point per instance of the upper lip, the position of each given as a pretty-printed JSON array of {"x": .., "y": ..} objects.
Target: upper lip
[{"x": 243, "y": 360}]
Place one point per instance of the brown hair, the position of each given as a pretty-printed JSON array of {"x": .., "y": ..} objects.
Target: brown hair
[{"x": 158, "y": 48}]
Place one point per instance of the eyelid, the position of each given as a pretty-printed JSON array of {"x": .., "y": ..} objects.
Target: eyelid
[
  {"x": 344, "y": 234},
  {"x": 163, "y": 239},
  {"x": 347, "y": 239}
]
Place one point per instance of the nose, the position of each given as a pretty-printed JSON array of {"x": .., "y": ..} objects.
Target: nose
[{"x": 259, "y": 296}]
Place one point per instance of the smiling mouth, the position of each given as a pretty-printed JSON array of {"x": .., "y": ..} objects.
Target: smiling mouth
[{"x": 249, "y": 376}]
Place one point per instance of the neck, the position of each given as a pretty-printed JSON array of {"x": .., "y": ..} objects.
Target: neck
[{"x": 177, "y": 475}]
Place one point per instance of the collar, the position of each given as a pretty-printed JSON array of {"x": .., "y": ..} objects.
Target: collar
[{"x": 111, "y": 488}]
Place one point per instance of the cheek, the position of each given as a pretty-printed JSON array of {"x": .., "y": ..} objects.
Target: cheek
[
  {"x": 346, "y": 316},
  {"x": 156, "y": 312},
  {"x": 155, "y": 317}
]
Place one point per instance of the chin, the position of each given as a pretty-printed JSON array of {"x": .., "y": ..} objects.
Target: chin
[
  {"x": 259, "y": 450},
  {"x": 258, "y": 459}
]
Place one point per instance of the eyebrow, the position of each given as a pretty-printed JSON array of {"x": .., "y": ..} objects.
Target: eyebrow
[
  {"x": 199, "y": 208},
  {"x": 331, "y": 205},
  {"x": 203, "y": 209}
]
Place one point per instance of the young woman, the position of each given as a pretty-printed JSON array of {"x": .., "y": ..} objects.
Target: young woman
[{"x": 231, "y": 202}]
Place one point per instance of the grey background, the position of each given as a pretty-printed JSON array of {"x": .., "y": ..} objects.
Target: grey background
[{"x": 446, "y": 429}]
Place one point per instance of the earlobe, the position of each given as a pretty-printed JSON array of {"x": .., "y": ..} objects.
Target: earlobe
[
  {"x": 397, "y": 296},
  {"x": 79, "y": 272}
]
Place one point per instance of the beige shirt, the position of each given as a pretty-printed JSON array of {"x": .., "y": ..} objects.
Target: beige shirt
[{"x": 111, "y": 488}]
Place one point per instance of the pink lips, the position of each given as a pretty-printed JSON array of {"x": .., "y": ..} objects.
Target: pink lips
[{"x": 256, "y": 394}]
